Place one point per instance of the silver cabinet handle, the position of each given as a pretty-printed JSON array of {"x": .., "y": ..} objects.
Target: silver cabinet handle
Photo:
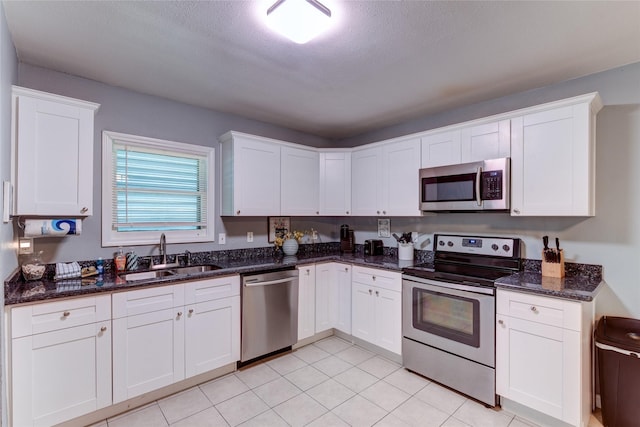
[
  {"x": 516, "y": 211},
  {"x": 347, "y": 212},
  {"x": 370, "y": 291},
  {"x": 384, "y": 212},
  {"x": 190, "y": 311},
  {"x": 500, "y": 322},
  {"x": 377, "y": 293},
  {"x": 238, "y": 212},
  {"x": 378, "y": 212},
  {"x": 374, "y": 278},
  {"x": 179, "y": 313},
  {"x": 346, "y": 269},
  {"x": 534, "y": 309},
  {"x": 317, "y": 212},
  {"x": 66, "y": 314},
  {"x": 104, "y": 328},
  {"x": 84, "y": 210}
]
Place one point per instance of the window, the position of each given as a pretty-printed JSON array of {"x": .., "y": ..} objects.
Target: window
[{"x": 151, "y": 186}]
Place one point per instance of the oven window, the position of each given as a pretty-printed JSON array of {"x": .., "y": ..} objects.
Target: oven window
[
  {"x": 449, "y": 188},
  {"x": 449, "y": 316}
]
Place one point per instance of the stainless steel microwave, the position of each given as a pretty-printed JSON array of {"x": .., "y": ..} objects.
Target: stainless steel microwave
[{"x": 476, "y": 186}]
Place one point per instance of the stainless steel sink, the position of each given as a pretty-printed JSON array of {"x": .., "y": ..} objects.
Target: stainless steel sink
[
  {"x": 169, "y": 272},
  {"x": 194, "y": 269},
  {"x": 147, "y": 275}
]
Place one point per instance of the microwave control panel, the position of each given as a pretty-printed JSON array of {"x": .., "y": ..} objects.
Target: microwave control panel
[{"x": 491, "y": 185}]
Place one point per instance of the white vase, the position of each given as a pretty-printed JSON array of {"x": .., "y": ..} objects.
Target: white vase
[{"x": 290, "y": 247}]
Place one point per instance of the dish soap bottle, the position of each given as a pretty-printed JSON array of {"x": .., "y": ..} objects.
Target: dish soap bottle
[{"x": 120, "y": 260}]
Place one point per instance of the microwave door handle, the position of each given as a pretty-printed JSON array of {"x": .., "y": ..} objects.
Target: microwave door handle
[{"x": 478, "y": 177}]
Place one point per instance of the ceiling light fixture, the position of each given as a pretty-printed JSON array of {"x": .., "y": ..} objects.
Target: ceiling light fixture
[{"x": 298, "y": 20}]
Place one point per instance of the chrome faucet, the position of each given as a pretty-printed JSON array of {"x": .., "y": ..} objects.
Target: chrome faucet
[{"x": 163, "y": 248}]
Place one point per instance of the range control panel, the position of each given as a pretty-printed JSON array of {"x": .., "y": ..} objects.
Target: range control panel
[{"x": 480, "y": 245}]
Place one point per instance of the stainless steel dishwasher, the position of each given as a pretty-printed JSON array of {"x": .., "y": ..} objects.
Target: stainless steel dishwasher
[{"x": 269, "y": 312}]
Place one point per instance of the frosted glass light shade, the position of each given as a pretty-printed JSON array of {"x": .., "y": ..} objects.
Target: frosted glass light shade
[{"x": 298, "y": 20}]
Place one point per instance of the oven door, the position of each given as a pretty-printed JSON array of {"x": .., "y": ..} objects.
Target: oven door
[{"x": 455, "y": 318}]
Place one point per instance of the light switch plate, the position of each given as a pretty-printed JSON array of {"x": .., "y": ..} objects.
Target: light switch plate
[{"x": 222, "y": 239}]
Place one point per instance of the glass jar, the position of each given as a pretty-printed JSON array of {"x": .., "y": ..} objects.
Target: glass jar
[{"x": 33, "y": 268}]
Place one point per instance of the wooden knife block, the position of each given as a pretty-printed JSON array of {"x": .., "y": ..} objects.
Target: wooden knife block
[{"x": 553, "y": 269}]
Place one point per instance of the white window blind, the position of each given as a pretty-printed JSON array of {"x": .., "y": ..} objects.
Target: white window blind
[
  {"x": 155, "y": 187},
  {"x": 158, "y": 191}
]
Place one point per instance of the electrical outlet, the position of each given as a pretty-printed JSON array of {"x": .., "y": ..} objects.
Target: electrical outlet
[
  {"x": 249, "y": 236},
  {"x": 314, "y": 234},
  {"x": 222, "y": 239}
]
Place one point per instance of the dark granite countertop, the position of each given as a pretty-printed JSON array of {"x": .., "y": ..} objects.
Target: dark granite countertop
[
  {"x": 18, "y": 291},
  {"x": 579, "y": 287}
]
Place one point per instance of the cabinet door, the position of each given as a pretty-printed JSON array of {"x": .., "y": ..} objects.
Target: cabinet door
[
  {"x": 532, "y": 361},
  {"x": 256, "y": 177},
  {"x": 306, "y": 301},
  {"x": 362, "y": 314},
  {"x": 552, "y": 165},
  {"x": 342, "y": 278},
  {"x": 60, "y": 375},
  {"x": 485, "y": 142},
  {"x": 441, "y": 149},
  {"x": 325, "y": 306},
  {"x": 300, "y": 181},
  {"x": 400, "y": 189},
  {"x": 212, "y": 335},
  {"x": 366, "y": 181},
  {"x": 388, "y": 319},
  {"x": 335, "y": 183},
  {"x": 148, "y": 352},
  {"x": 48, "y": 135}
]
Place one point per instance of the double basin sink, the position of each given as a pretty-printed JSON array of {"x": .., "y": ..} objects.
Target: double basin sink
[{"x": 168, "y": 272}]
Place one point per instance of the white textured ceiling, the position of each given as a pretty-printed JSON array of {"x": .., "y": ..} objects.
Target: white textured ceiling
[{"x": 381, "y": 63}]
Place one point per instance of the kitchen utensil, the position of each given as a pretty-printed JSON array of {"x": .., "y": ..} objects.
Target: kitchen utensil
[
  {"x": 546, "y": 251},
  {"x": 398, "y": 238}
]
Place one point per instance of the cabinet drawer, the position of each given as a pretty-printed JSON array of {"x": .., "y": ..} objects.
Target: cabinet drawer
[
  {"x": 51, "y": 316},
  {"x": 385, "y": 279},
  {"x": 147, "y": 300},
  {"x": 535, "y": 308},
  {"x": 211, "y": 289}
]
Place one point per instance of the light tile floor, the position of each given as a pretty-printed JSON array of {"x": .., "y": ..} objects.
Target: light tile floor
[{"x": 327, "y": 383}]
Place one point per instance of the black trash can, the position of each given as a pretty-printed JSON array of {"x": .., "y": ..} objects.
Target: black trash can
[{"x": 618, "y": 345}]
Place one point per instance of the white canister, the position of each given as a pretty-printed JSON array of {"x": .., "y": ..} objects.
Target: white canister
[{"x": 405, "y": 251}]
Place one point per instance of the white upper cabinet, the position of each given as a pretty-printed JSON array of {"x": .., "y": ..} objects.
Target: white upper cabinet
[
  {"x": 52, "y": 160},
  {"x": 250, "y": 175},
  {"x": 553, "y": 159},
  {"x": 441, "y": 149},
  {"x": 384, "y": 179},
  {"x": 486, "y": 141},
  {"x": 400, "y": 171},
  {"x": 299, "y": 181},
  {"x": 366, "y": 181},
  {"x": 335, "y": 183}
]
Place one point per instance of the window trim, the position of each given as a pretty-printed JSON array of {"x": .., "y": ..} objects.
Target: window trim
[{"x": 111, "y": 237}]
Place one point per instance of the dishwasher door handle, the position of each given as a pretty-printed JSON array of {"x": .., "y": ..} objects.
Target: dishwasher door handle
[{"x": 256, "y": 282}]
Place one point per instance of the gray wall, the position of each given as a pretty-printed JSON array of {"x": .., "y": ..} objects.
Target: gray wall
[
  {"x": 611, "y": 238},
  {"x": 130, "y": 112},
  {"x": 8, "y": 261}
]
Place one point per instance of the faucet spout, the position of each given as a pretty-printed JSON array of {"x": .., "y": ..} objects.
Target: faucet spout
[{"x": 163, "y": 248}]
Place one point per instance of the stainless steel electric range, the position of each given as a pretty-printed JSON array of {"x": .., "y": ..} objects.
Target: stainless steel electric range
[{"x": 448, "y": 312}]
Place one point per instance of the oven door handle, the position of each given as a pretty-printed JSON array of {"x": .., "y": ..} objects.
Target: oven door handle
[{"x": 457, "y": 286}]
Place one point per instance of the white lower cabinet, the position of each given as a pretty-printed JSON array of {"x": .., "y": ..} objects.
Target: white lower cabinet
[
  {"x": 543, "y": 354},
  {"x": 212, "y": 326},
  {"x": 148, "y": 340},
  {"x": 377, "y": 307},
  {"x": 165, "y": 334},
  {"x": 60, "y": 360},
  {"x": 333, "y": 297},
  {"x": 306, "y": 301}
]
